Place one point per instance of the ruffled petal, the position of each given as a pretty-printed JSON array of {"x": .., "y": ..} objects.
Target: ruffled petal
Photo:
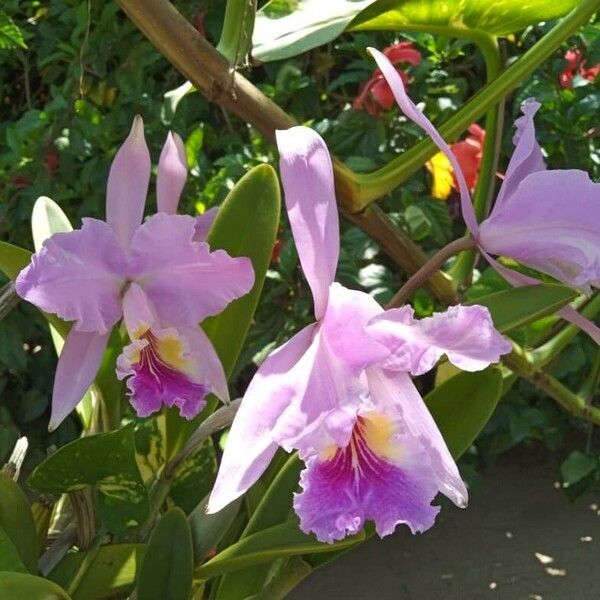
[
  {"x": 172, "y": 173},
  {"x": 527, "y": 156},
  {"x": 250, "y": 445},
  {"x": 79, "y": 276},
  {"x": 465, "y": 334},
  {"x": 382, "y": 475},
  {"x": 414, "y": 114},
  {"x": 307, "y": 178},
  {"x": 537, "y": 226},
  {"x": 183, "y": 279},
  {"x": 395, "y": 394},
  {"x": 127, "y": 185},
  {"x": 77, "y": 366}
]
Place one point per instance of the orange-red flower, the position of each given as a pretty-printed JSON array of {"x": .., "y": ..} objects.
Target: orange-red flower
[
  {"x": 376, "y": 94},
  {"x": 576, "y": 65}
]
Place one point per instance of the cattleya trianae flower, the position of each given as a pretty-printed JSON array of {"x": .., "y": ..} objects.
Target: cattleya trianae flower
[
  {"x": 339, "y": 391},
  {"x": 159, "y": 275},
  {"x": 546, "y": 220}
]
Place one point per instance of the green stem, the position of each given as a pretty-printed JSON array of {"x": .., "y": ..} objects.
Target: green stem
[
  {"x": 372, "y": 186},
  {"x": 517, "y": 362},
  {"x": 590, "y": 385},
  {"x": 86, "y": 563},
  {"x": 431, "y": 266},
  {"x": 541, "y": 356},
  {"x": 236, "y": 36}
]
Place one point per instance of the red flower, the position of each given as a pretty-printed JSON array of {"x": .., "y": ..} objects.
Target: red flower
[
  {"x": 51, "y": 161},
  {"x": 468, "y": 153},
  {"x": 376, "y": 94},
  {"x": 576, "y": 64}
]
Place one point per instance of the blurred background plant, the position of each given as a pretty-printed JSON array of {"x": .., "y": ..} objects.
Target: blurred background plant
[{"x": 72, "y": 76}]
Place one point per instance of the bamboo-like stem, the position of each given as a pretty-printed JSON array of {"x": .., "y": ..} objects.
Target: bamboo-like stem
[
  {"x": 430, "y": 267},
  {"x": 563, "y": 396}
]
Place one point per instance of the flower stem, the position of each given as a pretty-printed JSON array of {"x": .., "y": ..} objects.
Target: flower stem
[
  {"x": 571, "y": 402},
  {"x": 431, "y": 266},
  {"x": 86, "y": 563}
]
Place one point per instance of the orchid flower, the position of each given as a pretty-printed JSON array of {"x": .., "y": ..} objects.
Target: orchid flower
[
  {"x": 158, "y": 275},
  {"x": 339, "y": 391},
  {"x": 546, "y": 220}
]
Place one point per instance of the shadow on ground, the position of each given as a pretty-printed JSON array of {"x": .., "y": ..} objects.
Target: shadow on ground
[{"x": 520, "y": 539}]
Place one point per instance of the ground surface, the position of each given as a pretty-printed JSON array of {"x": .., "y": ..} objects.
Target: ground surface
[{"x": 520, "y": 539}]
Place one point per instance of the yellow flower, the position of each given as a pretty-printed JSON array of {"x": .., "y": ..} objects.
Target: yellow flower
[{"x": 441, "y": 169}]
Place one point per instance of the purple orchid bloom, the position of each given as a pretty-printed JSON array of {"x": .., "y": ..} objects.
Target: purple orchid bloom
[
  {"x": 339, "y": 391},
  {"x": 546, "y": 220},
  {"x": 158, "y": 275}
]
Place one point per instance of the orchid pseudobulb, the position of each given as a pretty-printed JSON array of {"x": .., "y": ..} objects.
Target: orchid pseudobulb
[
  {"x": 159, "y": 275},
  {"x": 339, "y": 392}
]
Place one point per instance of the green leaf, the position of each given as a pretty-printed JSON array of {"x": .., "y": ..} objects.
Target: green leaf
[
  {"x": 246, "y": 225},
  {"x": 236, "y": 37},
  {"x": 267, "y": 545},
  {"x": 501, "y": 17},
  {"x": 274, "y": 508},
  {"x": 9, "y": 555},
  {"x": 107, "y": 461},
  {"x": 462, "y": 405},
  {"x": 578, "y": 466},
  {"x": 11, "y": 37},
  {"x": 208, "y": 529},
  {"x": 21, "y": 586},
  {"x": 13, "y": 259},
  {"x": 47, "y": 218},
  {"x": 112, "y": 571},
  {"x": 519, "y": 306},
  {"x": 168, "y": 566},
  {"x": 17, "y": 522},
  {"x": 285, "y": 28}
]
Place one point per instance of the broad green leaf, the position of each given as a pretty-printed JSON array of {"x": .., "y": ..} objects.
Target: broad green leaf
[
  {"x": 208, "y": 530},
  {"x": 285, "y": 28},
  {"x": 13, "y": 259},
  {"x": 112, "y": 571},
  {"x": 462, "y": 405},
  {"x": 168, "y": 566},
  {"x": 11, "y": 37},
  {"x": 578, "y": 466},
  {"x": 500, "y": 17},
  {"x": 267, "y": 545},
  {"x": 21, "y": 586},
  {"x": 107, "y": 461},
  {"x": 9, "y": 555},
  {"x": 519, "y": 306},
  {"x": 17, "y": 522},
  {"x": 246, "y": 225},
  {"x": 274, "y": 508}
]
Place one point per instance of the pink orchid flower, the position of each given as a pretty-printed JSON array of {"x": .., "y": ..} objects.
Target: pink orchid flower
[
  {"x": 159, "y": 276},
  {"x": 339, "y": 391},
  {"x": 547, "y": 220}
]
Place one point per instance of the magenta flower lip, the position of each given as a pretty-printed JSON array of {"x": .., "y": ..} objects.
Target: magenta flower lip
[{"x": 162, "y": 268}]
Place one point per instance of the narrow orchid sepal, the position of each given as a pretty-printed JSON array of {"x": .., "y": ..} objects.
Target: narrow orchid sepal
[
  {"x": 171, "y": 175},
  {"x": 307, "y": 177},
  {"x": 127, "y": 185},
  {"x": 76, "y": 369}
]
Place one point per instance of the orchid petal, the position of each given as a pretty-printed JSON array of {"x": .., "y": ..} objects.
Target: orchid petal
[
  {"x": 208, "y": 361},
  {"x": 78, "y": 275},
  {"x": 127, "y": 185},
  {"x": 77, "y": 366},
  {"x": 183, "y": 279},
  {"x": 307, "y": 178},
  {"x": 412, "y": 112},
  {"x": 204, "y": 222},
  {"x": 396, "y": 392},
  {"x": 527, "y": 156},
  {"x": 537, "y": 227},
  {"x": 172, "y": 173},
  {"x": 465, "y": 334},
  {"x": 138, "y": 313},
  {"x": 250, "y": 446}
]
